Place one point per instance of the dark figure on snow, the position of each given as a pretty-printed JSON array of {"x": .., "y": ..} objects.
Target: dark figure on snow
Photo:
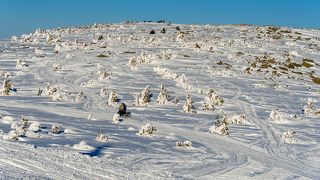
[{"x": 122, "y": 109}]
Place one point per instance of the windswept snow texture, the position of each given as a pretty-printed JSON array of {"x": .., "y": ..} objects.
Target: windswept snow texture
[{"x": 267, "y": 80}]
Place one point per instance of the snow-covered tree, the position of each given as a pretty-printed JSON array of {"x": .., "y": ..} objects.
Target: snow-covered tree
[
  {"x": 80, "y": 96},
  {"x": 21, "y": 63},
  {"x": 103, "y": 92},
  {"x": 310, "y": 109},
  {"x": 112, "y": 99},
  {"x": 276, "y": 115},
  {"x": 212, "y": 98},
  {"x": 6, "y": 87},
  {"x": 147, "y": 130},
  {"x": 220, "y": 127},
  {"x": 103, "y": 74},
  {"x": 163, "y": 95},
  {"x": 188, "y": 105},
  {"x": 143, "y": 98}
]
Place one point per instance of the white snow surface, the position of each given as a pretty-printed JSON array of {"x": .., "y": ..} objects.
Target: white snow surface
[{"x": 254, "y": 69}]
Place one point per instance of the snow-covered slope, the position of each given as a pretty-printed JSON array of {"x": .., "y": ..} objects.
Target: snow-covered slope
[{"x": 208, "y": 102}]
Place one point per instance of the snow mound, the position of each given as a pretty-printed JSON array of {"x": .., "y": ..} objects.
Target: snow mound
[
  {"x": 34, "y": 126},
  {"x": 7, "y": 119},
  {"x": 83, "y": 145},
  {"x": 116, "y": 119}
]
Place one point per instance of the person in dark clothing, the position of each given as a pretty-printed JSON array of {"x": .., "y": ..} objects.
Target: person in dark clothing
[{"x": 123, "y": 110}]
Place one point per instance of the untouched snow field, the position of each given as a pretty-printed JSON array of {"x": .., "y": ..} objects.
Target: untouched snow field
[{"x": 206, "y": 102}]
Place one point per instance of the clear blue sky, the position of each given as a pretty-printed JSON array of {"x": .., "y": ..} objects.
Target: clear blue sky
[{"x": 24, "y": 16}]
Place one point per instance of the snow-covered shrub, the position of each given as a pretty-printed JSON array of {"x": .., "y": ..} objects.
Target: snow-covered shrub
[
  {"x": 188, "y": 105},
  {"x": 55, "y": 128},
  {"x": 21, "y": 63},
  {"x": 309, "y": 109},
  {"x": 163, "y": 95},
  {"x": 147, "y": 130},
  {"x": 49, "y": 38},
  {"x": 220, "y": 127},
  {"x": 39, "y": 92},
  {"x": 14, "y": 38},
  {"x": 6, "y": 87},
  {"x": 276, "y": 115},
  {"x": 175, "y": 100},
  {"x": 19, "y": 129},
  {"x": 54, "y": 94},
  {"x": 212, "y": 98},
  {"x": 289, "y": 136},
  {"x": 207, "y": 107},
  {"x": 238, "y": 119},
  {"x": 141, "y": 59},
  {"x": 103, "y": 74},
  {"x": 112, "y": 99},
  {"x": 80, "y": 96},
  {"x": 165, "y": 73},
  {"x": 50, "y": 89},
  {"x": 180, "y": 36},
  {"x": 103, "y": 92},
  {"x": 101, "y": 137},
  {"x": 56, "y": 67},
  {"x": 12, "y": 135},
  {"x": 32, "y": 134},
  {"x": 184, "y": 144},
  {"x": 143, "y": 98}
]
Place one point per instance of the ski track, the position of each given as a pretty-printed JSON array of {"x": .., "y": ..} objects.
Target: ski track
[{"x": 129, "y": 156}]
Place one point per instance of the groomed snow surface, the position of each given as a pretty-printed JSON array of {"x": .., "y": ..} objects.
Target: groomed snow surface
[{"x": 206, "y": 102}]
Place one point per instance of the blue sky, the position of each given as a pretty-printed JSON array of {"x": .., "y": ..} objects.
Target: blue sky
[{"x": 24, "y": 16}]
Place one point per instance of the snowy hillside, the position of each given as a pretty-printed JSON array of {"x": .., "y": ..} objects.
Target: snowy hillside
[{"x": 206, "y": 102}]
